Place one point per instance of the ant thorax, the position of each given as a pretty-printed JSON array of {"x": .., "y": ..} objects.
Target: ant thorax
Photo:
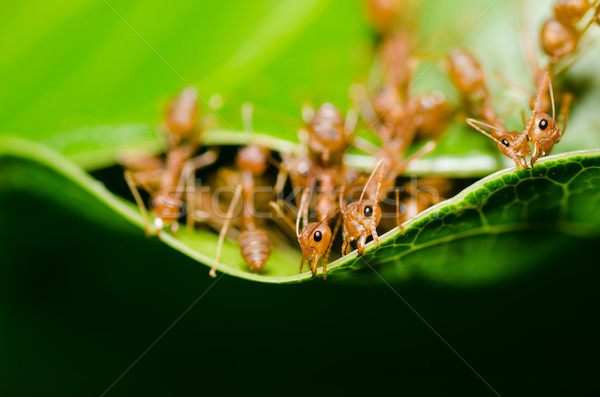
[
  {"x": 182, "y": 115},
  {"x": 314, "y": 241}
]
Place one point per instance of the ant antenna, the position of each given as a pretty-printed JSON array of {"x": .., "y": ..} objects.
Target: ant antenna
[
  {"x": 475, "y": 124},
  {"x": 232, "y": 205},
  {"x": 484, "y": 124},
  {"x": 302, "y": 204},
  {"x": 551, "y": 94},
  {"x": 282, "y": 214},
  {"x": 342, "y": 198},
  {"x": 379, "y": 164}
]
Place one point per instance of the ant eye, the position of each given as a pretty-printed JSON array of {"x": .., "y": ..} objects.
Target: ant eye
[
  {"x": 543, "y": 124},
  {"x": 505, "y": 142},
  {"x": 368, "y": 211},
  {"x": 318, "y": 236}
]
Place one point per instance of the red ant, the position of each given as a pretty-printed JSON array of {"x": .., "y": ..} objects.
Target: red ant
[{"x": 166, "y": 184}]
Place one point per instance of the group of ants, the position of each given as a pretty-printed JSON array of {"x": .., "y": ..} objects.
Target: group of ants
[{"x": 318, "y": 170}]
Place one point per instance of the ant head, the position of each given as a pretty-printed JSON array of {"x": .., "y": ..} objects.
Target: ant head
[
  {"x": 558, "y": 39},
  {"x": 252, "y": 158},
  {"x": 515, "y": 145},
  {"x": 385, "y": 98},
  {"x": 541, "y": 125},
  {"x": 314, "y": 240},
  {"x": 512, "y": 144},
  {"x": 327, "y": 113},
  {"x": 362, "y": 214},
  {"x": 165, "y": 209}
]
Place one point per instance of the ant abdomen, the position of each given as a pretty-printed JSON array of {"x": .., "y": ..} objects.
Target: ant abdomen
[
  {"x": 558, "y": 39},
  {"x": 255, "y": 248}
]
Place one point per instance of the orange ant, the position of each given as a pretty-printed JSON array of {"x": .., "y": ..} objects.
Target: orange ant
[
  {"x": 542, "y": 130},
  {"x": 165, "y": 181},
  {"x": 559, "y": 35},
  {"x": 315, "y": 238},
  {"x": 469, "y": 78},
  {"x": 254, "y": 243},
  {"x": 326, "y": 134},
  {"x": 361, "y": 218},
  {"x": 326, "y": 137}
]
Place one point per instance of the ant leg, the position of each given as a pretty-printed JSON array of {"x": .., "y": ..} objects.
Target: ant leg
[
  {"x": 350, "y": 122},
  {"x": 374, "y": 234},
  {"x": 282, "y": 176},
  {"x": 365, "y": 146},
  {"x": 190, "y": 199},
  {"x": 360, "y": 244},
  {"x": 398, "y": 222},
  {"x": 131, "y": 182},
  {"x": 313, "y": 265},
  {"x": 282, "y": 214},
  {"x": 328, "y": 251},
  {"x": 563, "y": 117},
  {"x": 428, "y": 147},
  {"x": 308, "y": 113},
  {"x": 535, "y": 154},
  {"x": 345, "y": 247},
  {"x": 187, "y": 182},
  {"x": 236, "y": 197}
]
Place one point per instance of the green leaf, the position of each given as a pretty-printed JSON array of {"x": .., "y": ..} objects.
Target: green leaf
[
  {"x": 109, "y": 70},
  {"x": 500, "y": 227}
]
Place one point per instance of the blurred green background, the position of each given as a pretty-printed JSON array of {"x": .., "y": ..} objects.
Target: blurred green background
[{"x": 80, "y": 301}]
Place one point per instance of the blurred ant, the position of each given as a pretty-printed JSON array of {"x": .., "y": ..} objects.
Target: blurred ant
[
  {"x": 165, "y": 181},
  {"x": 468, "y": 77},
  {"x": 327, "y": 134},
  {"x": 383, "y": 14},
  {"x": 559, "y": 35}
]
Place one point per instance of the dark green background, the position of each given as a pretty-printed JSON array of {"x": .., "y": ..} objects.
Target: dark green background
[
  {"x": 77, "y": 311},
  {"x": 81, "y": 300}
]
